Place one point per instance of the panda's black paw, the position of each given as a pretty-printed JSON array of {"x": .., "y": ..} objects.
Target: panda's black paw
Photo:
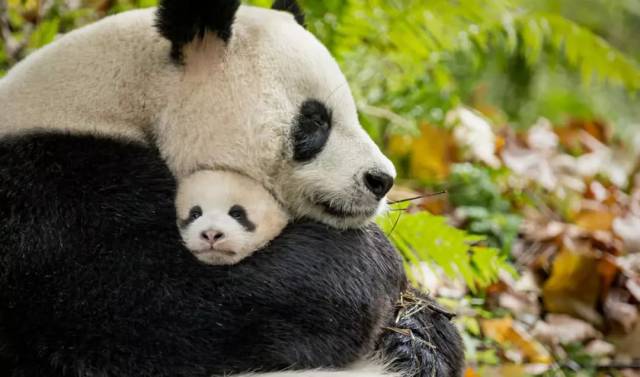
[{"x": 422, "y": 341}]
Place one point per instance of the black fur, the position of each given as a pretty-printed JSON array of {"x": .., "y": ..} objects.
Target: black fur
[
  {"x": 238, "y": 213},
  {"x": 290, "y": 6},
  {"x": 182, "y": 21},
  {"x": 94, "y": 280},
  {"x": 311, "y": 130},
  {"x": 421, "y": 341}
]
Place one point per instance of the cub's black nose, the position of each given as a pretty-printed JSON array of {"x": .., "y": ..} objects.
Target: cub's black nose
[{"x": 378, "y": 183}]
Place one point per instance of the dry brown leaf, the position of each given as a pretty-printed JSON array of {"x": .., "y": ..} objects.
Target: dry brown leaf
[
  {"x": 608, "y": 272},
  {"x": 627, "y": 344},
  {"x": 537, "y": 231},
  {"x": 562, "y": 329},
  {"x": 633, "y": 285},
  {"x": 504, "y": 330},
  {"x": 617, "y": 309},
  {"x": 520, "y": 304},
  {"x": 628, "y": 228},
  {"x": 599, "y": 348}
]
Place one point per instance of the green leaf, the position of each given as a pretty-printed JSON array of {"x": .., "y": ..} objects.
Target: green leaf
[
  {"x": 45, "y": 32},
  {"x": 422, "y": 237}
]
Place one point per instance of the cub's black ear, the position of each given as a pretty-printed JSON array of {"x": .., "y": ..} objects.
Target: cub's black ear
[
  {"x": 182, "y": 21},
  {"x": 290, "y": 6}
]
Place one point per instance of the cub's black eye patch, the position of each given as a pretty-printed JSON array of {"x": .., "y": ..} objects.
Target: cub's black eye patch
[
  {"x": 238, "y": 213},
  {"x": 311, "y": 130},
  {"x": 194, "y": 213}
]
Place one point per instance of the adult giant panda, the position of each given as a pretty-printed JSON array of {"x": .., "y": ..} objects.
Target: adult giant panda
[
  {"x": 205, "y": 80},
  {"x": 210, "y": 84}
]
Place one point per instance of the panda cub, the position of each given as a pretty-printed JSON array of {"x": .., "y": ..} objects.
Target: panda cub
[{"x": 223, "y": 216}]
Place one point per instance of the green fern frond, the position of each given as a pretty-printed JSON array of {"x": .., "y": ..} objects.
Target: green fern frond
[{"x": 424, "y": 237}]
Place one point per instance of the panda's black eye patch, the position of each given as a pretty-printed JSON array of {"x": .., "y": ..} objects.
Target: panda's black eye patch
[
  {"x": 194, "y": 213},
  {"x": 311, "y": 130},
  {"x": 238, "y": 213}
]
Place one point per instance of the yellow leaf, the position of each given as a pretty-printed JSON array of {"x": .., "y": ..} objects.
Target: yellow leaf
[
  {"x": 594, "y": 220},
  {"x": 506, "y": 370},
  {"x": 469, "y": 372},
  {"x": 399, "y": 145},
  {"x": 574, "y": 286},
  {"x": 431, "y": 153}
]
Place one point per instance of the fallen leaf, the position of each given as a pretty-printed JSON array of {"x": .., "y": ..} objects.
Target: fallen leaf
[
  {"x": 633, "y": 285},
  {"x": 599, "y": 348},
  {"x": 617, "y": 309},
  {"x": 431, "y": 153},
  {"x": 470, "y": 372},
  {"x": 562, "y": 329},
  {"x": 628, "y": 228},
  {"x": 506, "y": 331},
  {"x": 592, "y": 220},
  {"x": 473, "y": 135},
  {"x": 573, "y": 287}
]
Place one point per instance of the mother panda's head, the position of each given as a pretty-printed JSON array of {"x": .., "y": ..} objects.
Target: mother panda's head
[{"x": 258, "y": 93}]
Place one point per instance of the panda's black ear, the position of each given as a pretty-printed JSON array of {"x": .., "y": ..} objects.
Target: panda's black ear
[
  {"x": 182, "y": 21},
  {"x": 290, "y": 6}
]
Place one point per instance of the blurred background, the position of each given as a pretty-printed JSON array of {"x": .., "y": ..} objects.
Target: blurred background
[{"x": 519, "y": 123}]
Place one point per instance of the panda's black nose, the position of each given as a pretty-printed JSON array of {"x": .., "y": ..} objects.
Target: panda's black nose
[{"x": 378, "y": 183}]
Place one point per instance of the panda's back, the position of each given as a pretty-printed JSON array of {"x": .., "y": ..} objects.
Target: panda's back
[{"x": 93, "y": 79}]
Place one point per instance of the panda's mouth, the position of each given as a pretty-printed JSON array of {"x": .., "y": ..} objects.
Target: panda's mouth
[{"x": 343, "y": 210}]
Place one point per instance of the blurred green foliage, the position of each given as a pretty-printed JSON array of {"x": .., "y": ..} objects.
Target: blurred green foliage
[
  {"x": 423, "y": 57},
  {"x": 474, "y": 192}
]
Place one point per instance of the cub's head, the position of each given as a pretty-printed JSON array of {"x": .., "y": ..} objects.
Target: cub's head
[
  {"x": 223, "y": 217},
  {"x": 257, "y": 93}
]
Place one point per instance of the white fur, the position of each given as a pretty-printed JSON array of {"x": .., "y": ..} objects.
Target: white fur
[
  {"x": 215, "y": 192},
  {"x": 364, "y": 368},
  {"x": 230, "y": 107}
]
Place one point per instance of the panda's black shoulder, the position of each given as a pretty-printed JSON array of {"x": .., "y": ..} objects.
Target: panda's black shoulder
[
  {"x": 76, "y": 156},
  {"x": 118, "y": 181}
]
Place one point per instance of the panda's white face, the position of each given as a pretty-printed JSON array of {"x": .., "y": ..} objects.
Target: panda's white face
[
  {"x": 272, "y": 103},
  {"x": 224, "y": 217}
]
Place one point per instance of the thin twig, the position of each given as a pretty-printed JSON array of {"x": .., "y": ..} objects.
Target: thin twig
[{"x": 418, "y": 197}]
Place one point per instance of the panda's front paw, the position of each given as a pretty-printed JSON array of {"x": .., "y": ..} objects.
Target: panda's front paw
[{"x": 422, "y": 341}]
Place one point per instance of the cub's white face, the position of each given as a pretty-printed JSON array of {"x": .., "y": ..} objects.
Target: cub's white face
[
  {"x": 224, "y": 217},
  {"x": 273, "y": 104}
]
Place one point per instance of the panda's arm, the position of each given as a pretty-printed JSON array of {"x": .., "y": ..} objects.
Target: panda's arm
[{"x": 94, "y": 279}]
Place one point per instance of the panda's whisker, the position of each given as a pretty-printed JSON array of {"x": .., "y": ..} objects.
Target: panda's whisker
[{"x": 326, "y": 100}]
